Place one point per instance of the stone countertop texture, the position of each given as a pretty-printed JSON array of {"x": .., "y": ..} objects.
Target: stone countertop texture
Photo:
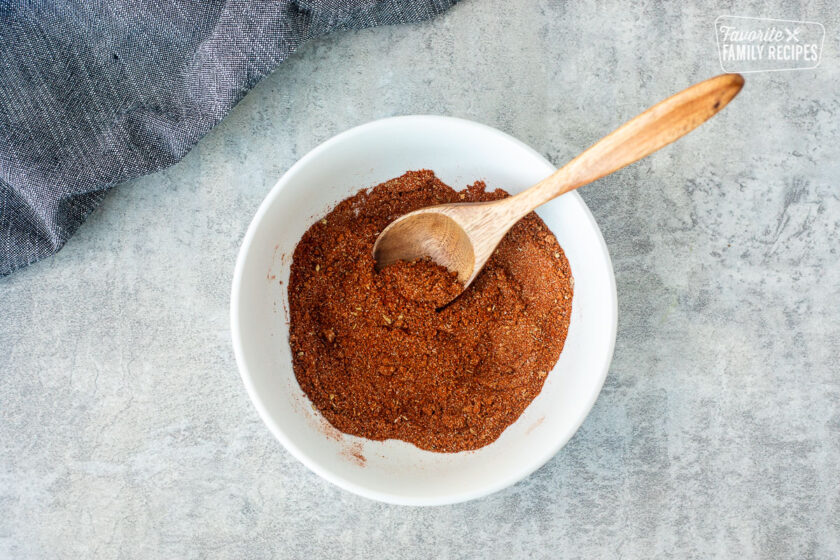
[{"x": 125, "y": 429}]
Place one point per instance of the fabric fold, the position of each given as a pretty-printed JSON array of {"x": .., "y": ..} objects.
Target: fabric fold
[{"x": 93, "y": 94}]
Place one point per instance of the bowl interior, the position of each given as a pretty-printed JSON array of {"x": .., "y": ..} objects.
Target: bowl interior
[{"x": 459, "y": 152}]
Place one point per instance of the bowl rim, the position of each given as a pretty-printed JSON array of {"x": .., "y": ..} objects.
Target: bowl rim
[{"x": 539, "y": 459}]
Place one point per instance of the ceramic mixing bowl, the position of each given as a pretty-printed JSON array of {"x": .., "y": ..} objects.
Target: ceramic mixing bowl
[{"x": 459, "y": 152}]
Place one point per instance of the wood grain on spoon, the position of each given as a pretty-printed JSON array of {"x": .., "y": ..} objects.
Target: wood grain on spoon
[{"x": 462, "y": 237}]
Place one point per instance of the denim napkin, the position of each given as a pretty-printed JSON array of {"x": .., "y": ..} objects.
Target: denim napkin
[{"x": 93, "y": 93}]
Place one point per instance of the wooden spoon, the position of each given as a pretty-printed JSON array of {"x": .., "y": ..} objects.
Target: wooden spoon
[{"x": 462, "y": 237}]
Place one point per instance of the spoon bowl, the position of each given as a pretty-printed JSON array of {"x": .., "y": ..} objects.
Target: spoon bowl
[{"x": 429, "y": 232}]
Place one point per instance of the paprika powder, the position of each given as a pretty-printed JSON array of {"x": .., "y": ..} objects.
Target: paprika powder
[{"x": 379, "y": 359}]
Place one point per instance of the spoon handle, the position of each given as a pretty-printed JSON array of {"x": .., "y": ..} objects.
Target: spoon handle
[{"x": 660, "y": 125}]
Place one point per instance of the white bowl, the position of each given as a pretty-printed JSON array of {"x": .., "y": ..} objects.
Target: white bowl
[{"x": 459, "y": 152}]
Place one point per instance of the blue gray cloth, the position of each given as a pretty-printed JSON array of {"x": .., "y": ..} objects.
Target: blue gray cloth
[{"x": 95, "y": 92}]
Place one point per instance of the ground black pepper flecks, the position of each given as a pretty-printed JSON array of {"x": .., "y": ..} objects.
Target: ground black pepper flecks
[{"x": 378, "y": 359}]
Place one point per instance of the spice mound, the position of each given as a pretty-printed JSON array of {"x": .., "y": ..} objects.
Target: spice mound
[{"x": 380, "y": 358}]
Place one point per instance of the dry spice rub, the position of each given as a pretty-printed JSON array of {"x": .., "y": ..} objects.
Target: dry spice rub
[{"x": 379, "y": 360}]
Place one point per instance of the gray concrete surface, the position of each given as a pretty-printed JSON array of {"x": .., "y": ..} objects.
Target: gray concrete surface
[{"x": 126, "y": 432}]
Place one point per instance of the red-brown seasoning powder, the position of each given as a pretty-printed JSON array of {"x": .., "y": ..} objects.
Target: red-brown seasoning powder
[{"x": 379, "y": 360}]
